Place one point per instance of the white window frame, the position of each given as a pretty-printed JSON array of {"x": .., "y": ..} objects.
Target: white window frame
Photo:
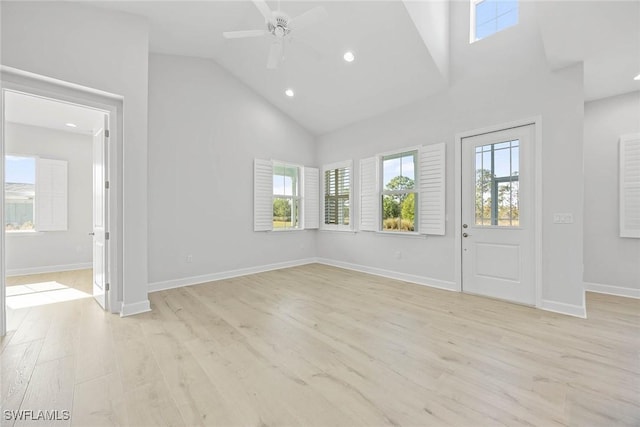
[
  {"x": 430, "y": 175},
  {"x": 263, "y": 196},
  {"x": 298, "y": 197},
  {"x": 472, "y": 21},
  {"x": 347, "y": 164},
  {"x": 415, "y": 190}
]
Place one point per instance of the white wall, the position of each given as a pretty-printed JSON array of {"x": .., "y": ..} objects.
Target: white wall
[
  {"x": 55, "y": 250},
  {"x": 487, "y": 88},
  {"x": 205, "y": 129},
  {"x": 104, "y": 50},
  {"x": 609, "y": 259}
]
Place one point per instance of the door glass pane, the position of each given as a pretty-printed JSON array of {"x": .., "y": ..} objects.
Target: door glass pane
[{"x": 497, "y": 184}]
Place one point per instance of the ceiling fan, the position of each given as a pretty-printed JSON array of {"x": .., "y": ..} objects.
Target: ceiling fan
[{"x": 279, "y": 26}]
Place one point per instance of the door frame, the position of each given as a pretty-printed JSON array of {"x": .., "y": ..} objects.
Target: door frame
[
  {"x": 16, "y": 80},
  {"x": 536, "y": 151}
]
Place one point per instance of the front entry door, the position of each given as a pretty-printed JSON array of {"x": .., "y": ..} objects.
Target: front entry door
[
  {"x": 100, "y": 269},
  {"x": 497, "y": 215}
]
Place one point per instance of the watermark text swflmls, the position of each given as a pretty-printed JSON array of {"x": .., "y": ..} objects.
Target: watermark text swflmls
[{"x": 37, "y": 415}]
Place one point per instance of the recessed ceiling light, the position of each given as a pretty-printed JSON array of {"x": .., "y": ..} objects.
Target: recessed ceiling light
[
  {"x": 289, "y": 93},
  {"x": 637, "y": 77},
  {"x": 349, "y": 56},
  {"x": 71, "y": 125}
]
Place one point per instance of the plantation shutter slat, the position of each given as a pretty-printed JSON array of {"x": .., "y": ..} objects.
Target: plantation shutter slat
[
  {"x": 432, "y": 189},
  {"x": 311, "y": 198},
  {"x": 369, "y": 205},
  {"x": 51, "y": 195},
  {"x": 262, "y": 195},
  {"x": 630, "y": 186}
]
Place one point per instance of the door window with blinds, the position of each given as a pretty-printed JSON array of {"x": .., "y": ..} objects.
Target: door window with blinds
[{"x": 337, "y": 196}]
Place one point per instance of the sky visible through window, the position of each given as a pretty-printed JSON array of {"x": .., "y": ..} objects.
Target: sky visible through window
[
  {"x": 20, "y": 170},
  {"x": 494, "y": 15},
  {"x": 399, "y": 166}
]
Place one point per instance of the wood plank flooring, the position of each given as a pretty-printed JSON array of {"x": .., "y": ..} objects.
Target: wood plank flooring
[{"x": 321, "y": 346}]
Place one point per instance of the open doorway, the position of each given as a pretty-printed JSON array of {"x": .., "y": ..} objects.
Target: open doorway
[{"x": 55, "y": 202}]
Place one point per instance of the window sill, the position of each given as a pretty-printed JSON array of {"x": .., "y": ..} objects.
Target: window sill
[
  {"x": 285, "y": 230},
  {"x": 23, "y": 233},
  {"x": 338, "y": 230},
  {"x": 409, "y": 234}
]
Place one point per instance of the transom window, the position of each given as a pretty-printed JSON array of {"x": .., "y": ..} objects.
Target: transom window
[
  {"x": 497, "y": 184},
  {"x": 400, "y": 193},
  {"x": 286, "y": 196},
  {"x": 491, "y": 16},
  {"x": 337, "y": 196}
]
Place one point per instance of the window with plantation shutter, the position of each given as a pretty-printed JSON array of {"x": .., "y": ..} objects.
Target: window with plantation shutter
[
  {"x": 369, "y": 197},
  {"x": 285, "y": 196},
  {"x": 262, "y": 195},
  {"x": 310, "y": 196},
  {"x": 337, "y": 196},
  {"x": 432, "y": 189},
  {"x": 51, "y": 195},
  {"x": 630, "y": 185}
]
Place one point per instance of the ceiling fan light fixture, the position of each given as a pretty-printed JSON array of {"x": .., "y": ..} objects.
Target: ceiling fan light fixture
[
  {"x": 349, "y": 56},
  {"x": 289, "y": 92}
]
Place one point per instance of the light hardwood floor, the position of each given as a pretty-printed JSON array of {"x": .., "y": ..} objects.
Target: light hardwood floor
[{"x": 317, "y": 345}]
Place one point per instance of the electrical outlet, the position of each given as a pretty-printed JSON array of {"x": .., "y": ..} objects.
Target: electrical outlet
[
  {"x": 189, "y": 258},
  {"x": 398, "y": 254},
  {"x": 562, "y": 218}
]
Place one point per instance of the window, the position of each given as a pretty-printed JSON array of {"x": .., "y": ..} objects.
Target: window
[
  {"x": 399, "y": 196},
  {"x": 497, "y": 184},
  {"x": 286, "y": 196},
  {"x": 490, "y": 16},
  {"x": 404, "y": 192},
  {"x": 20, "y": 191},
  {"x": 35, "y": 194},
  {"x": 629, "y": 186},
  {"x": 337, "y": 196}
]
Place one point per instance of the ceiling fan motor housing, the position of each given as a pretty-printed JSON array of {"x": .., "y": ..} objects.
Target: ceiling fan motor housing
[{"x": 280, "y": 26}]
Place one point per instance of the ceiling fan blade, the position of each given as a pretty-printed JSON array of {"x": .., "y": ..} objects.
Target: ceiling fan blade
[
  {"x": 308, "y": 18},
  {"x": 275, "y": 54},
  {"x": 243, "y": 34},
  {"x": 264, "y": 10}
]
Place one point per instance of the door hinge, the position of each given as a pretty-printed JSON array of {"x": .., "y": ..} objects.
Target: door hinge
[
  {"x": 106, "y": 286},
  {"x": 106, "y": 133},
  {"x": 106, "y": 185},
  {"x": 106, "y": 236}
]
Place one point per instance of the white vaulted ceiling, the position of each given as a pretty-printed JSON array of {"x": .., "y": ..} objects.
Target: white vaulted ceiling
[
  {"x": 392, "y": 67},
  {"x": 402, "y": 51}
]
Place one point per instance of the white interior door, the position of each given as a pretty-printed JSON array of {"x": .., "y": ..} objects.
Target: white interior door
[
  {"x": 100, "y": 241},
  {"x": 497, "y": 215}
]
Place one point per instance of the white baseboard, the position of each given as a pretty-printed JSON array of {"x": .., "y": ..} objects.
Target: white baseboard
[
  {"x": 420, "y": 280},
  {"x": 195, "y": 280},
  {"x": 135, "y": 308},
  {"x": 563, "y": 308},
  {"x": 48, "y": 269},
  {"x": 612, "y": 290}
]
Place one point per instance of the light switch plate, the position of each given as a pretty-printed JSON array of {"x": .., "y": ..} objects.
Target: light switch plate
[{"x": 562, "y": 218}]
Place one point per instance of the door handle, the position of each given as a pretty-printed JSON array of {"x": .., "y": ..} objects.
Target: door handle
[
  {"x": 92, "y": 234},
  {"x": 465, "y": 235}
]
